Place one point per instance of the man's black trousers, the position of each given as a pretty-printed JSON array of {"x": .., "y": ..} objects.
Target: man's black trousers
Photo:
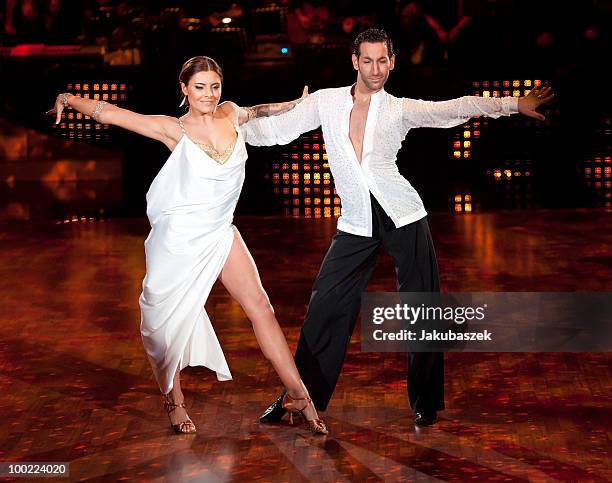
[{"x": 336, "y": 299}]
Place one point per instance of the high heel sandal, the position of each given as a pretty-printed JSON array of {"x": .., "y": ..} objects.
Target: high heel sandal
[
  {"x": 317, "y": 426},
  {"x": 184, "y": 427}
]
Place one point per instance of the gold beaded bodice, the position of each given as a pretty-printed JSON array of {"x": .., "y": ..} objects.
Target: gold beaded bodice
[{"x": 215, "y": 155}]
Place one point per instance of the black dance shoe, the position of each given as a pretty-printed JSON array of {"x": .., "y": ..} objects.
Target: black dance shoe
[
  {"x": 275, "y": 411},
  {"x": 425, "y": 418}
]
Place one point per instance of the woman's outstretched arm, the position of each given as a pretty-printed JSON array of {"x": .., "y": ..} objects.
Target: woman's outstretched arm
[
  {"x": 245, "y": 114},
  {"x": 161, "y": 128}
]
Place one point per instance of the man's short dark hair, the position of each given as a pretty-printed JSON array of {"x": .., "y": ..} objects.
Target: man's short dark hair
[{"x": 373, "y": 36}]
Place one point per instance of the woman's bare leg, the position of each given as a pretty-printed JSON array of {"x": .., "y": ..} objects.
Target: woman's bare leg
[{"x": 241, "y": 279}]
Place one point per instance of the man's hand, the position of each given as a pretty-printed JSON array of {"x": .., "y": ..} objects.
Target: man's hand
[{"x": 528, "y": 104}]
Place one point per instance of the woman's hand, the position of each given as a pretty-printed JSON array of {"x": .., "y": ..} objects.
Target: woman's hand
[
  {"x": 528, "y": 104},
  {"x": 61, "y": 102},
  {"x": 304, "y": 94}
]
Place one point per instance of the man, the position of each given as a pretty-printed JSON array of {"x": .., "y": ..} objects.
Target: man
[{"x": 363, "y": 127}]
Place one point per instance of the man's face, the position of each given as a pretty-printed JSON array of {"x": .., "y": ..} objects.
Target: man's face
[{"x": 373, "y": 64}]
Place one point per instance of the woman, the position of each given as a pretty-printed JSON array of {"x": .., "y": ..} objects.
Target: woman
[{"x": 192, "y": 242}]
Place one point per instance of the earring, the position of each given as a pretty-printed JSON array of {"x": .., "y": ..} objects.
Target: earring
[{"x": 184, "y": 101}]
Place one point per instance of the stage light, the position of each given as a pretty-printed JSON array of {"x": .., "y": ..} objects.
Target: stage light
[
  {"x": 284, "y": 50},
  {"x": 226, "y": 20},
  {"x": 311, "y": 150}
]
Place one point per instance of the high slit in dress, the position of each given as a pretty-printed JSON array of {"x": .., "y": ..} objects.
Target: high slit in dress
[{"x": 190, "y": 206}]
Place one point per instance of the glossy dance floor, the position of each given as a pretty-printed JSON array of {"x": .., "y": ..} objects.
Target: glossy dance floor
[{"x": 75, "y": 385}]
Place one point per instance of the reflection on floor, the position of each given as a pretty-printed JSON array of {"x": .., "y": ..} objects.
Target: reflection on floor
[{"x": 76, "y": 386}]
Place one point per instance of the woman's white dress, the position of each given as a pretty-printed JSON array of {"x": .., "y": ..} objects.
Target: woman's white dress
[{"x": 190, "y": 206}]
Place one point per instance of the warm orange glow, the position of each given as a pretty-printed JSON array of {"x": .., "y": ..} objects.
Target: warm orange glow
[
  {"x": 458, "y": 198},
  {"x": 458, "y": 208}
]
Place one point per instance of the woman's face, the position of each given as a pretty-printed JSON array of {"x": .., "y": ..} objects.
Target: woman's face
[{"x": 203, "y": 91}]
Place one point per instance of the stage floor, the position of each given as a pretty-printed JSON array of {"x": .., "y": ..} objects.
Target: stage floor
[{"x": 76, "y": 387}]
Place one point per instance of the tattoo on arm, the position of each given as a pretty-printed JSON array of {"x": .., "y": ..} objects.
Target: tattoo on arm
[{"x": 266, "y": 110}]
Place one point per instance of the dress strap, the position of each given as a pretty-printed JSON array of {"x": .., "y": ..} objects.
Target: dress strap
[{"x": 181, "y": 124}]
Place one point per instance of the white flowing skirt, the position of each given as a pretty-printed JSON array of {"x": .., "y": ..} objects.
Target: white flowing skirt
[{"x": 184, "y": 259}]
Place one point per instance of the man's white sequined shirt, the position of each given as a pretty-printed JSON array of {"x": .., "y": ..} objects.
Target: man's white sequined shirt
[{"x": 388, "y": 121}]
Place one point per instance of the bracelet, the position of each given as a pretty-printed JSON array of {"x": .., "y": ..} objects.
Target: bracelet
[
  {"x": 64, "y": 99},
  {"x": 97, "y": 110}
]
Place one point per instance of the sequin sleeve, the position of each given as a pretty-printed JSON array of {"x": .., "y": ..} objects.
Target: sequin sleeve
[
  {"x": 419, "y": 113},
  {"x": 284, "y": 128}
]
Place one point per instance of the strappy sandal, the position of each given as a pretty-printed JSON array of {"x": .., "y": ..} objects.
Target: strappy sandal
[{"x": 184, "y": 427}]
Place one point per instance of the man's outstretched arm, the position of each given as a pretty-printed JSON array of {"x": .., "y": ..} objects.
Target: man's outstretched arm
[
  {"x": 273, "y": 128},
  {"x": 419, "y": 113}
]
